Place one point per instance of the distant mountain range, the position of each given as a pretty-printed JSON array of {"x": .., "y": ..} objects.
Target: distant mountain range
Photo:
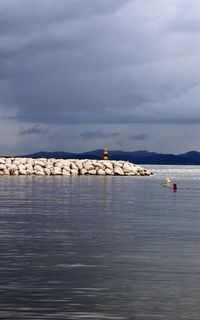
[{"x": 138, "y": 157}]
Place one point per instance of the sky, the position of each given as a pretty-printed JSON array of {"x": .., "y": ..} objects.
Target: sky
[{"x": 79, "y": 75}]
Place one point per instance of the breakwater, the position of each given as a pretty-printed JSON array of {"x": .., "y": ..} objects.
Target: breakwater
[{"x": 70, "y": 167}]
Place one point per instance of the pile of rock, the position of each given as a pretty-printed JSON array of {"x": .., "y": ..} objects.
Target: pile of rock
[{"x": 43, "y": 166}]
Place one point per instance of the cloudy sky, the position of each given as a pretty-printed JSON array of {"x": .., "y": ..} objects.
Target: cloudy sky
[{"x": 77, "y": 75}]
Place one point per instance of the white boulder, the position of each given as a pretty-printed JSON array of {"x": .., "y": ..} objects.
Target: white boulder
[
  {"x": 67, "y": 167},
  {"x": 2, "y": 161},
  {"x": 101, "y": 172},
  {"x": 109, "y": 171},
  {"x": 7, "y": 171},
  {"x": 88, "y": 165},
  {"x": 108, "y": 164},
  {"x": 47, "y": 171},
  {"x": 2, "y": 166},
  {"x": 57, "y": 171},
  {"x": 127, "y": 167},
  {"x": 118, "y": 171},
  {"x": 79, "y": 164},
  {"x": 92, "y": 172},
  {"x": 74, "y": 172},
  {"x": 83, "y": 171},
  {"x": 66, "y": 172}
]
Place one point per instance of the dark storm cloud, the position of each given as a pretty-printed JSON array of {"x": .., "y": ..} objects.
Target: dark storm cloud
[
  {"x": 98, "y": 134},
  {"x": 99, "y": 62},
  {"x": 139, "y": 136},
  {"x": 47, "y": 51},
  {"x": 36, "y": 14}
]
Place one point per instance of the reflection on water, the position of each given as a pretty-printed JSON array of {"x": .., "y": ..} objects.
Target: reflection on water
[{"x": 99, "y": 248}]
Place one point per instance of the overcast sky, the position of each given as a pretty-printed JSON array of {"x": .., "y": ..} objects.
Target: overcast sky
[{"x": 77, "y": 75}]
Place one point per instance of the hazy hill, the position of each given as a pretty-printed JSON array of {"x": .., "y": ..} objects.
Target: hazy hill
[{"x": 139, "y": 157}]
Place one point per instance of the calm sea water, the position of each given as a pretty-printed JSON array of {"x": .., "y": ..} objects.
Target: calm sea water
[{"x": 100, "y": 247}]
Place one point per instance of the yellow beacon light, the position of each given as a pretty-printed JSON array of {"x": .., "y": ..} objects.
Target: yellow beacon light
[{"x": 105, "y": 154}]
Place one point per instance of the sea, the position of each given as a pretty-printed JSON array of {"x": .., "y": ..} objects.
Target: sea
[{"x": 101, "y": 247}]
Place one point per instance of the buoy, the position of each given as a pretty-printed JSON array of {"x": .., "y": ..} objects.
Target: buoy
[
  {"x": 175, "y": 187},
  {"x": 167, "y": 181}
]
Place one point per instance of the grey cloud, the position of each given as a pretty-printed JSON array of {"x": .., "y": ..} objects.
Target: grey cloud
[
  {"x": 19, "y": 17},
  {"x": 186, "y": 17},
  {"x": 139, "y": 136},
  {"x": 98, "y": 134},
  {"x": 34, "y": 130},
  {"x": 99, "y": 62},
  {"x": 186, "y": 25}
]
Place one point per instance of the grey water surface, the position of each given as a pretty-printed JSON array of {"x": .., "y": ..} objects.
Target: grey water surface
[{"x": 91, "y": 247}]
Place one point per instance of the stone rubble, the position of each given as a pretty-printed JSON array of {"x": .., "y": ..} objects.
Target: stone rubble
[{"x": 70, "y": 167}]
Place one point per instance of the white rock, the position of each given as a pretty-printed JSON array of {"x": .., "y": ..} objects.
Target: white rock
[
  {"x": 118, "y": 163},
  {"x": 38, "y": 168},
  {"x": 118, "y": 171},
  {"x": 127, "y": 167},
  {"x": 145, "y": 172},
  {"x": 40, "y": 163},
  {"x": 66, "y": 168},
  {"x": 74, "y": 172},
  {"x": 8, "y": 162},
  {"x": 98, "y": 165},
  {"x": 47, "y": 171},
  {"x": 79, "y": 164},
  {"x": 50, "y": 167},
  {"x": 83, "y": 171},
  {"x": 2, "y": 161},
  {"x": 131, "y": 173},
  {"x": 101, "y": 172},
  {"x": 2, "y": 166},
  {"x": 109, "y": 171},
  {"x": 57, "y": 171},
  {"x": 108, "y": 164},
  {"x": 133, "y": 166},
  {"x": 30, "y": 161},
  {"x": 21, "y": 167},
  {"x": 92, "y": 172},
  {"x": 22, "y": 160},
  {"x": 22, "y": 172},
  {"x": 40, "y": 173},
  {"x": 66, "y": 172},
  {"x": 28, "y": 166},
  {"x": 59, "y": 165},
  {"x": 16, "y": 161},
  {"x": 29, "y": 171},
  {"x": 148, "y": 173},
  {"x": 13, "y": 168},
  {"x": 73, "y": 166},
  {"x": 50, "y": 162},
  {"x": 140, "y": 171},
  {"x": 43, "y": 166},
  {"x": 6, "y": 172},
  {"x": 66, "y": 163},
  {"x": 15, "y": 173},
  {"x": 88, "y": 165},
  {"x": 43, "y": 159}
]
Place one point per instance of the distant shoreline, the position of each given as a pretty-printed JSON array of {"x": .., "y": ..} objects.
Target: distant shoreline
[{"x": 140, "y": 157}]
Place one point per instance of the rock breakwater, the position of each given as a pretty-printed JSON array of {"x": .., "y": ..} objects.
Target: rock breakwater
[{"x": 70, "y": 167}]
